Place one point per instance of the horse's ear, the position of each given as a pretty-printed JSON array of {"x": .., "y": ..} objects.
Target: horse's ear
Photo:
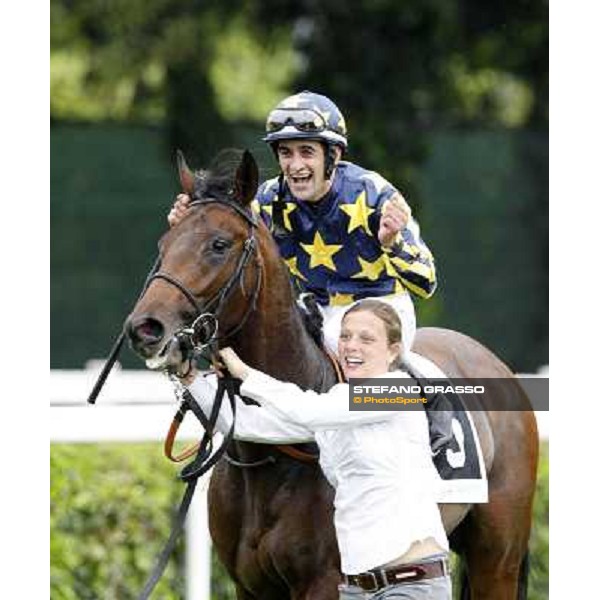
[
  {"x": 246, "y": 179},
  {"x": 186, "y": 176}
]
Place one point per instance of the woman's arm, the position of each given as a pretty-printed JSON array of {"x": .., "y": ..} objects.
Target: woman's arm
[
  {"x": 314, "y": 411},
  {"x": 330, "y": 410},
  {"x": 252, "y": 423}
]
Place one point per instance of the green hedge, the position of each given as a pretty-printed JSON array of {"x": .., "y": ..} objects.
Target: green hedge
[
  {"x": 110, "y": 515},
  {"x": 540, "y": 538},
  {"x": 111, "y": 507}
]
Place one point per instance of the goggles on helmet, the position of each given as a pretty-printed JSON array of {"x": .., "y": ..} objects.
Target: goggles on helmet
[{"x": 305, "y": 120}]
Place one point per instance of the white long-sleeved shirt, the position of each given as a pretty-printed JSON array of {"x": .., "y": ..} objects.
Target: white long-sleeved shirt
[{"x": 379, "y": 462}]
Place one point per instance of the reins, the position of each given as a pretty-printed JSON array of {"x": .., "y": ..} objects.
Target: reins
[
  {"x": 289, "y": 450},
  {"x": 205, "y": 459},
  {"x": 118, "y": 344}
]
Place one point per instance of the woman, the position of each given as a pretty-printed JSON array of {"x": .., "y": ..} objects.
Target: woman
[{"x": 389, "y": 530}]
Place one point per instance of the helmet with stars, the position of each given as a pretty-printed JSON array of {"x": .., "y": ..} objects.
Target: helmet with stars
[{"x": 307, "y": 116}]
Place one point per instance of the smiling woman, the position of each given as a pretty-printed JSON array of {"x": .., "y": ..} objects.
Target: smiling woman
[
  {"x": 379, "y": 463},
  {"x": 370, "y": 340}
]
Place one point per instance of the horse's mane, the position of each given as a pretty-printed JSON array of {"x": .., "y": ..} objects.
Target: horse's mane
[
  {"x": 311, "y": 317},
  {"x": 217, "y": 181}
]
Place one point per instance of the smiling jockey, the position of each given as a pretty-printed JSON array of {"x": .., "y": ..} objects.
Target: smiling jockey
[{"x": 344, "y": 232}]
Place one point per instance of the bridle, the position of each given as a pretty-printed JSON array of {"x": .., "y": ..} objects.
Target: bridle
[
  {"x": 202, "y": 334},
  {"x": 203, "y": 331}
]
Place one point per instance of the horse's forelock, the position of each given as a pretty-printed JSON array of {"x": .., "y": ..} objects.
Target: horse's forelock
[{"x": 219, "y": 179}]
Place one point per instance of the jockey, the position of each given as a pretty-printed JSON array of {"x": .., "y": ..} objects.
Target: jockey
[{"x": 344, "y": 232}]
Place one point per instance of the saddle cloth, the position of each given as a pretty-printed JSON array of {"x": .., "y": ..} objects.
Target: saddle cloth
[{"x": 460, "y": 465}]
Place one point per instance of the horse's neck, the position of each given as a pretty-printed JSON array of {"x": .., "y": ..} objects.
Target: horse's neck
[
  {"x": 279, "y": 345},
  {"x": 275, "y": 339}
]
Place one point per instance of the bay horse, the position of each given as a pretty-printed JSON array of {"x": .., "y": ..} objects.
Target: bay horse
[{"x": 272, "y": 524}]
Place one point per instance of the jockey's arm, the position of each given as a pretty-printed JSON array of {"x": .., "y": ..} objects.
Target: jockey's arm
[
  {"x": 409, "y": 256},
  {"x": 179, "y": 209}
]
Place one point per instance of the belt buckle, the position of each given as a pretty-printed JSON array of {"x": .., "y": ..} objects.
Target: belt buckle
[
  {"x": 409, "y": 574},
  {"x": 375, "y": 585},
  {"x": 445, "y": 567}
]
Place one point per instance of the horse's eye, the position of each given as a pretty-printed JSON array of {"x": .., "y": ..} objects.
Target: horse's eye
[{"x": 219, "y": 245}]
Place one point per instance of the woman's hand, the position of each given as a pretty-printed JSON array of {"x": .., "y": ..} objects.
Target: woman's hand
[{"x": 235, "y": 365}]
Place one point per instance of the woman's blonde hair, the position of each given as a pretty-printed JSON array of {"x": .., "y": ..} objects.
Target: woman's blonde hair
[{"x": 390, "y": 318}]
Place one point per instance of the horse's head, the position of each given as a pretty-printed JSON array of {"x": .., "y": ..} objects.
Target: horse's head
[{"x": 208, "y": 266}]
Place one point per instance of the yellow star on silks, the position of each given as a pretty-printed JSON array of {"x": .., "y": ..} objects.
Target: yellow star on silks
[
  {"x": 292, "y": 265},
  {"x": 370, "y": 270},
  {"x": 341, "y": 299},
  {"x": 268, "y": 209},
  {"x": 320, "y": 253},
  {"x": 359, "y": 213},
  {"x": 286, "y": 215}
]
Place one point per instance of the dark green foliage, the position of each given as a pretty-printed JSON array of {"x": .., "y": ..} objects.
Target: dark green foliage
[
  {"x": 539, "y": 575},
  {"x": 107, "y": 214},
  {"x": 485, "y": 218}
]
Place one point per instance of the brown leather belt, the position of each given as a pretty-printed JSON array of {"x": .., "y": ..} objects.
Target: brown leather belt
[{"x": 374, "y": 580}]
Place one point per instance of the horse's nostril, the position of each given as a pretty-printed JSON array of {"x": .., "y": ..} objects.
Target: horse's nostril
[{"x": 147, "y": 331}]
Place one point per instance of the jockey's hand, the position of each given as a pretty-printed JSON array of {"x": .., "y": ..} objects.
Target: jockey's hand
[
  {"x": 235, "y": 365},
  {"x": 395, "y": 216},
  {"x": 179, "y": 210}
]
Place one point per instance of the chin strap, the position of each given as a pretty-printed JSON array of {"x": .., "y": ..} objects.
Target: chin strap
[
  {"x": 330, "y": 156},
  {"x": 279, "y": 229}
]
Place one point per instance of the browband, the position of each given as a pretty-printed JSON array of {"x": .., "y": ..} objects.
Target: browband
[{"x": 249, "y": 216}]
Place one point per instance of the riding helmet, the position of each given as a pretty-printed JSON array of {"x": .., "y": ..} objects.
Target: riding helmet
[{"x": 307, "y": 116}]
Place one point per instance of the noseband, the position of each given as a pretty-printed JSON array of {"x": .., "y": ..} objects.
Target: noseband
[{"x": 203, "y": 331}]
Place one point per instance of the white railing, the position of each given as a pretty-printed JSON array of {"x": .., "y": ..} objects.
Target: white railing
[
  {"x": 134, "y": 406},
  {"x": 137, "y": 406}
]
